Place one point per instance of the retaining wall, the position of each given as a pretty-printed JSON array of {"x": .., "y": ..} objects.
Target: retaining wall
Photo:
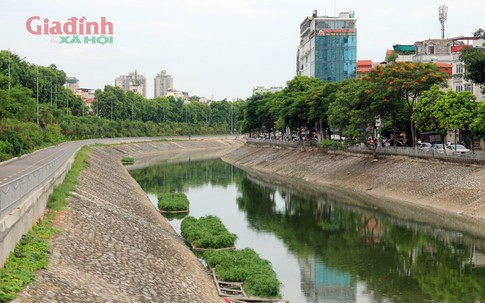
[{"x": 30, "y": 209}]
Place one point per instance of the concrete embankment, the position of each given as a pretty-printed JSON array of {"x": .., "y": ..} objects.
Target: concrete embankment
[
  {"x": 445, "y": 194},
  {"x": 114, "y": 246}
]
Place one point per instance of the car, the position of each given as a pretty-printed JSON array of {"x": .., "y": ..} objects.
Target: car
[
  {"x": 438, "y": 148},
  {"x": 425, "y": 146},
  {"x": 459, "y": 149}
]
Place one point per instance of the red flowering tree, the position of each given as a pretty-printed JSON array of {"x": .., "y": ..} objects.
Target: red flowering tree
[{"x": 402, "y": 83}]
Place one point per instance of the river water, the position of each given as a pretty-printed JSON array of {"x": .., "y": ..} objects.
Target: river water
[{"x": 322, "y": 249}]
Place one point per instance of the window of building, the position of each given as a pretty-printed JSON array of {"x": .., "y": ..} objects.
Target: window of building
[
  {"x": 459, "y": 68},
  {"x": 458, "y": 88},
  {"x": 430, "y": 49},
  {"x": 469, "y": 87}
]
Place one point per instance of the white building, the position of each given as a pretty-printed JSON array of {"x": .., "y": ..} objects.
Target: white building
[
  {"x": 263, "y": 90},
  {"x": 458, "y": 82},
  {"x": 163, "y": 83},
  {"x": 178, "y": 94},
  {"x": 132, "y": 82}
]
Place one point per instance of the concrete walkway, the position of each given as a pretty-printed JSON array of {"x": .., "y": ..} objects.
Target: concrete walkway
[{"x": 115, "y": 246}]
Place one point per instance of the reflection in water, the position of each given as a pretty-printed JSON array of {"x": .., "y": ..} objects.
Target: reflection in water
[{"x": 326, "y": 251}]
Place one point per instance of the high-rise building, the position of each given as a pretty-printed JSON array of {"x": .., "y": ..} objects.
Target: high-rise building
[
  {"x": 163, "y": 84},
  {"x": 328, "y": 47},
  {"x": 132, "y": 82}
]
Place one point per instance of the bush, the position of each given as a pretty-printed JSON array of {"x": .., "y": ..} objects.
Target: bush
[
  {"x": 30, "y": 254},
  {"x": 53, "y": 134},
  {"x": 173, "y": 202},
  {"x": 32, "y": 133},
  {"x": 245, "y": 266},
  {"x": 128, "y": 161},
  {"x": 19, "y": 145},
  {"x": 207, "y": 232},
  {"x": 6, "y": 150},
  {"x": 332, "y": 145}
]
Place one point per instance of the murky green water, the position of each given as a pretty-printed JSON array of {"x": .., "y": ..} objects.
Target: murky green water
[{"x": 323, "y": 250}]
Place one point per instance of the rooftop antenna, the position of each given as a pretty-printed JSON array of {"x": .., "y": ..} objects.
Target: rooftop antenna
[{"x": 443, "y": 9}]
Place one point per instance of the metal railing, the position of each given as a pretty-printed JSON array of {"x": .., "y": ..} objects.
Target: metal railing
[
  {"x": 469, "y": 157},
  {"x": 13, "y": 192},
  {"x": 279, "y": 142},
  {"x": 422, "y": 153}
]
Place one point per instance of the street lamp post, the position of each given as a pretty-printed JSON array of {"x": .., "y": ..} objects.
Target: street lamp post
[
  {"x": 37, "y": 95},
  {"x": 51, "y": 91},
  {"x": 9, "y": 71},
  {"x": 232, "y": 117}
]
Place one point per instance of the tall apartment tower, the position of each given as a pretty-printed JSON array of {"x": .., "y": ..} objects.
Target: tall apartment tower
[
  {"x": 163, "y": 84},
  {"x": 328, "y": 47},
  {"x": 132, "y": 82}
]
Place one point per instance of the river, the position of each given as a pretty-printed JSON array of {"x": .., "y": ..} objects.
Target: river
[{"x": 324, "y": 250}]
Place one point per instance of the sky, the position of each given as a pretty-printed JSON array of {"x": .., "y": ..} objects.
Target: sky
[{"x": 217, "y": 48}]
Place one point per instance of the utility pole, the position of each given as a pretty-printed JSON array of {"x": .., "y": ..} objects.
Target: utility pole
[
  {"x": 9, "y": 71},
  {"x": 37, "y": 96},
  {"x": 232, "y": 117},
  {"x": 51, "y": 91}
]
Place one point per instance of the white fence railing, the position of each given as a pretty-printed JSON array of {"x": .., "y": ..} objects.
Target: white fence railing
[
  {"x": 477, "y": 156},
  {"x": 13, "y": 192}
]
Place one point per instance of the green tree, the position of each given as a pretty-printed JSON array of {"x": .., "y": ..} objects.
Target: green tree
[
  {"x": 320, "y": 99},
  {"x": 355, "y": 111},
  {"x": 478, "y": 124},
  {"x": 424, "y": 114},
  {"x": 474, "y": 59},
  {"x": 296, "y": 101},
  {"x": 456, "y": 110}
]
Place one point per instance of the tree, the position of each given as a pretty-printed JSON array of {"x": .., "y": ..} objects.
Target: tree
[
  {"x": 474, "y": 59},
  {"x": 478, "y": 124},
  {"x": 320, "y": 99},
  {"x": 295, "y": 99},
  {"x": 424, "y": 115},
  {"x": 355, "y": 111},
  {"x": 456, "y": 110},
  {"x": 479, "y": 33},
  {"x": 252, "y": 121},
  {"x": 404, "y": 82}
]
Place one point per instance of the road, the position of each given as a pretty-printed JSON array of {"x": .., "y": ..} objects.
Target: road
[
  {"x": 27, "y": 164},
  {"x": 15, "y": 168},
  {"x": 19, "y": 176}
]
